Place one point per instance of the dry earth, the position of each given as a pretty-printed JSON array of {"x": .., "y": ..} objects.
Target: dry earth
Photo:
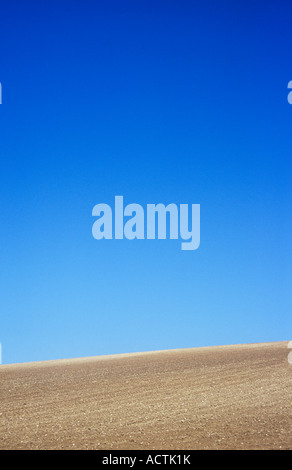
[{"x": 227, "y": 397}]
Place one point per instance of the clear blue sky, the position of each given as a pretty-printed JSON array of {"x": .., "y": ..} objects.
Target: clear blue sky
[{"x": 165, "y": 101}]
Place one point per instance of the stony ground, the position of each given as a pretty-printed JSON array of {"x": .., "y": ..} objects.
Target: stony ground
[{"x": 228, "y": 397}]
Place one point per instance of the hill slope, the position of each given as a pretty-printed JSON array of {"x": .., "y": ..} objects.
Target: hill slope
[{"x": 227, "y": 397}]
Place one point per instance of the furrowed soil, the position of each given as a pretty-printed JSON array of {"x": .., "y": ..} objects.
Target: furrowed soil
[{"x": 225, "y": 397}]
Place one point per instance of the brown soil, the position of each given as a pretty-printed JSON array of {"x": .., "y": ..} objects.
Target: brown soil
[{"x": 227, "y": 397}]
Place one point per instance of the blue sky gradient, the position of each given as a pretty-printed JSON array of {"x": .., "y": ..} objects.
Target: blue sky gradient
[{"x": 161, "y": 102}]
